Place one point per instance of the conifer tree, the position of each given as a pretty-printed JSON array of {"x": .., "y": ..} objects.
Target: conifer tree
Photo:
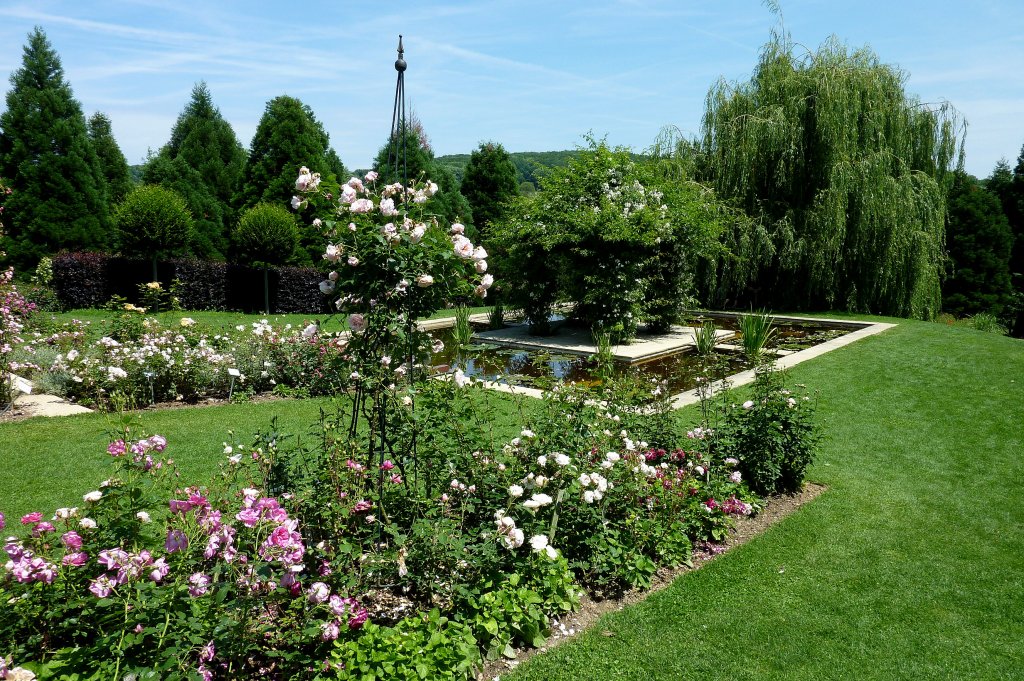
[
  {"x": 203, "y": 162},
  {"x": 59, "y": 197},
  {"x": 1008, "y": 185},
  {"x": 488, "y": 182},
  {"x": 288, "y": 137},
  {"x": 979, "y": 241},
  {"x": 112, "y": 161},
  {"x": 415, "y": 162}
]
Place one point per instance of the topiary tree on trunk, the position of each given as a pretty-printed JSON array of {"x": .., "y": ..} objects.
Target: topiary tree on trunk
[
  {"x": 267, "y": 234},
  {"x": 154, "y": 222}
]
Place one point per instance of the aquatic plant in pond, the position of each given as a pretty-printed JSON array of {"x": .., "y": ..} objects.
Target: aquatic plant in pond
[
  {"x": 705, "y": 337},
  {"x": 462, "y": 331},
  {"x": 756, "y": 332}
]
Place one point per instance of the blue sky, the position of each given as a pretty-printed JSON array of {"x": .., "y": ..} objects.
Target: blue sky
[{"x": 534, "y": 76}]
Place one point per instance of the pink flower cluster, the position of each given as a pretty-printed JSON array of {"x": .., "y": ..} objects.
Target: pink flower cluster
[
  {"x": 27, "y": 567},
  {"x": 123, "y": 566},
  {"x": 343, "y": 608},
  {"x": 733, "y": 506}
]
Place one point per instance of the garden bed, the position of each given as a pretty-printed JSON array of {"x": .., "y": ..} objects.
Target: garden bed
[{"x": 590, "y": 612}]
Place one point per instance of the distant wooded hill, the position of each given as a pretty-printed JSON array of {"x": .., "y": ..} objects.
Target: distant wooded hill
[{"x": 531, "y": 166}]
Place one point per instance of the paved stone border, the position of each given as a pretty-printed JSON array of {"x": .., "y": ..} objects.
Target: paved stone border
[
  {"x": 573, "y": 341},
  {"x": 785, "y": 360},
  {"x": 864, "y": 329}
]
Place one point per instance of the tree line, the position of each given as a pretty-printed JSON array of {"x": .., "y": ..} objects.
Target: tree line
[
  {"x": 201, "y": 194},
  {"x": 842, "y": 190}
]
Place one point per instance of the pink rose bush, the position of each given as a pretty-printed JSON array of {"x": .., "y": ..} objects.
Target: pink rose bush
[{"x": 228, "y": 560}]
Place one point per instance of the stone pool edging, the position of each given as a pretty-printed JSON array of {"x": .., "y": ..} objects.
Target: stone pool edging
[{"x": 787, "y": 359}]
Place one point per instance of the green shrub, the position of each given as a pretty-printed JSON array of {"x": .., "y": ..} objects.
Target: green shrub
[
  {"x": 773, "y": 435},
  {"x": 152, "y": 222},
  {"x": 266, "y": 233},
  {"x": 611, "y": 235},
  {"x": 417, "y": 648}
]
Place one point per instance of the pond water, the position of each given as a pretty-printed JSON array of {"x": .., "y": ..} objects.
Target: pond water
[{"x": 541, "y": 369}]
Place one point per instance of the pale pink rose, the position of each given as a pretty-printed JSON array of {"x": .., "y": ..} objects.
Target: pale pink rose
[
  {"x": 355, "y": 183},
  {"x": 352, "y": 261},
  {"x": 318, "y": 593},
  {"x": 424, "y": 280},
  {"x": 463, "y": 247},
  {"x": 332, "y": 254},
  {"x": 296, "y": 202},
  {"x": 348, "y": 194},
  {"x": 357, "y": 323},
  {"x": 431, "y": 188},
  {"x": 457, "y": 228},
  {"x": 361, "y": 206},
  {"x": 417, "y": 233},
  {"x": 486, "y": 281},
  {"x": 371, "y": 176},
  {"x": 303, "y": 180},
  {"x": 387, "y": 207},
  {"x": 480, "y": 266},
  {"x": 479, "y": 253}
]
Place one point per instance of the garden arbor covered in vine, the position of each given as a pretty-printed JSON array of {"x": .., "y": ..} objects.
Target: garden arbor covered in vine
[{"x": 846, "y": 176}]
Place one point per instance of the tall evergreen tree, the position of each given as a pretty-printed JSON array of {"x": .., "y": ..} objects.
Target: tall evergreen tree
[
  {"x": 415, "y": 162},
  {"x": 848, "y": 172},
  {"x": 979, "y": 241},
  {"x": 488, "y": 183},
  {"x": 60, "y": 196},
  {"x": 112, "y": 161},
  {"x": 1009, "y": 187},
  {"x": 203, "y": 162},
  {"x": 288, "y": 137}
]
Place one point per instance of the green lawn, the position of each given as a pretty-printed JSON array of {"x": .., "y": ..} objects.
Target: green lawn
[
  {"x": 47, "y": 463},
  {"x": 216, "y": 321},
  {"x": 910, "y": 566}
]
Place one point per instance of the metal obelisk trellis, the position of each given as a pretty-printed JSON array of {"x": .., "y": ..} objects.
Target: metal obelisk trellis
[{"x": 398, "y": 155}]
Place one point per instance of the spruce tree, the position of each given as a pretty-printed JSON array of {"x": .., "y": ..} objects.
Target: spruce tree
[
  {"x": 979, "y": 241},
  {"x": 288, "y": 137},
  {"x": 203, "y": 162},
  {"x": 59, "y": 197},
  {"x": 112, "y": 161},
  {"x": 489, "y": 182}
]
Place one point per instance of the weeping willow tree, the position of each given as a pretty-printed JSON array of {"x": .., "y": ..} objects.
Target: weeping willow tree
[{"x": 845, "y": 177}]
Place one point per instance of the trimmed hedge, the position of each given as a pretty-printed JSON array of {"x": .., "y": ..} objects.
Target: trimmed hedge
[
  {"x": 84, "y": 280},
  {"x": 80, "y": 279}
]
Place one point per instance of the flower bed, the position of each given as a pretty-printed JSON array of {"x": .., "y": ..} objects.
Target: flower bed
[{"x": 409, "y": 540}]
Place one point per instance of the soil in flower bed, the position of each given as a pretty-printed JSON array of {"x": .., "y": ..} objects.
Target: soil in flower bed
[{"x": 775, "y": 509}]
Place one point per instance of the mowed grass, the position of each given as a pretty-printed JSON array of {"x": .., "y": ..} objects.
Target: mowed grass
[
  {"x": 224, "y": 322},
  {"x": 911, "y": 565},
  {"x": 46, "y": 463}
]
